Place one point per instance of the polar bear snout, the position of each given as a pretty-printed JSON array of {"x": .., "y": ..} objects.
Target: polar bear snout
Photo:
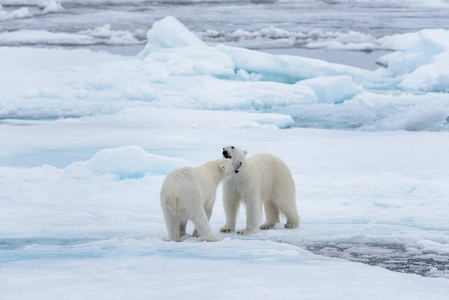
[
  {"x": 227, "y": 151},
  {"x": 226, "y": 154},
  {"x": 234, "y": 153}
]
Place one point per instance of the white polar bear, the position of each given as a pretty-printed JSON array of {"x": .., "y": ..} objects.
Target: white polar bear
[
  {"x": 189, "y": 194},
  {"x": 263, "y": 178}
]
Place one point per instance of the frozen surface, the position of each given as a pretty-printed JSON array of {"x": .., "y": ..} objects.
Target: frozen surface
[
  {"x": 372, "y": 197},
  {"x": 148, "y": 268},
  {"x": 88, "y": 137},
  {"x": 334, "y": 24},
  {"x": 127, "y": 162},
  {"x": 177, "y": 70}
]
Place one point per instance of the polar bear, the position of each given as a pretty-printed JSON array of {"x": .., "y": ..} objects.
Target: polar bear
[
  {"x": 263, "y": 179},
  {"x": 189, "y": 194}
]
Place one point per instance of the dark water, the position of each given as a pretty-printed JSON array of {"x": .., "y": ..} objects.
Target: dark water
[
  {"x": 392, "y": 256},
  {"x": 376, "y": 18},
  {"x": 359, "y": 59},
  {"x": 395, "y": 257},
  {"x": 235, "y": 22}
]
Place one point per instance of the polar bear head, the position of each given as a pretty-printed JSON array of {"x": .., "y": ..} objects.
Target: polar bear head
[
  {"x": 230, "y": 167},
  {"x": 235, "y": 153}
]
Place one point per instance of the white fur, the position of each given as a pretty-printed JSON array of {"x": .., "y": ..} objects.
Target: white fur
[
  {"x": 189, "y": 194},
  {"x": 262, "y": 179}
]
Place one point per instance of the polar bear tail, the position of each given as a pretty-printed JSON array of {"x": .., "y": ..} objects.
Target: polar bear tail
[{"x": 172, "y": 199}]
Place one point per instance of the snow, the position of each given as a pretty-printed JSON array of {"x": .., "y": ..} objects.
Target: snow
[
  {"x": 186, "y": 52},
  {"x": 110, "y": 36},
  {"x": 332, "y": 89},
  {"x": 423, "y": 56},
  {"x": 192, "y": 75},
  {"x": 88, "y": 137},
  {"x": 430, "y": 77},
  {"x": 88, "y": 230},
  {"x": 127, "y": 162},
  {"x": 100, "y": 35},
  {"x": 50, "y": 6},
  {"x": 169, "y": 33},
  {"x": 433, "y": 247},
  {"x": 134, "y": 276},
  {"x": 41, "y": 36},
  {"x": 341, "y": 25},
  {"x": 15, "y": 14},
  {"x": 46, "y": 6},
  {"x": 373, "y": 111}
]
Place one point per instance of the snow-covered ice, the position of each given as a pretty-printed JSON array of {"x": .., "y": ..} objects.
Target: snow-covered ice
[
  {"x": 184, "y": 73},
  {"x": 127, "y": 162},
  {"x": 84, "y": 230},
  {"x": 88, "y": 137}
]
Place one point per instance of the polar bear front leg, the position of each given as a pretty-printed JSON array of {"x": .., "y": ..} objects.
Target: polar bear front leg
[
  {"x": 271, "y": 215},
  {"x": 202, "y": 227},
  {"x": 253, "y": 212},
  {"x": 231, "y": 204},
  {"x": 208, "y": 209}
]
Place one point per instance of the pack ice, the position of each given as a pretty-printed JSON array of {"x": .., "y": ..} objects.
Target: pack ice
[
  {"x": 88, "y": 137},
  {"x": 177, "y": 69}
]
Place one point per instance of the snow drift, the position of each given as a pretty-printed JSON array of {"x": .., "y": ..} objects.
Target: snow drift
[{"x": 128, "y": 162}]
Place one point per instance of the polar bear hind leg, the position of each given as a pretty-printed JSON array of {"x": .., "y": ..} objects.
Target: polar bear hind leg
[
  {"x": 182, "y": 227},
  {"x": 201, "y": 222},
  {"x": 288, "y": 209},
  {"x": 208, "y": 210},
  {"x": 271, "y": 215},
  {"x": 173, "y": 225}
]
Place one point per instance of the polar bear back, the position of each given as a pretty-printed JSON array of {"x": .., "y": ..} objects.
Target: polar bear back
[
  {"x": 272, "y": 177},
  {"x": 207, "y": 184},
  {"x": 180, "y": 184}
]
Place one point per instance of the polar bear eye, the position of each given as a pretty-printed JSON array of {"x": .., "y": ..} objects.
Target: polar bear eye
[{"x": 232, "y": 147}]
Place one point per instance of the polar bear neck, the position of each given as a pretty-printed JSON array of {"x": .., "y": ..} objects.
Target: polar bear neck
[
  {"x": 242, "y": 159},
  {"x": 213, "y": 169},
  {"x": 238, "y": 157}
]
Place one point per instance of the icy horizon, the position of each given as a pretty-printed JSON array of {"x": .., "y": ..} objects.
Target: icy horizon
[
  {"x": 342, "y": 24},
  {"x": 177, "y": 69}
]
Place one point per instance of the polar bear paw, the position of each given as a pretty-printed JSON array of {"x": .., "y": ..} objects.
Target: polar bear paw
[
  {"x": 266, "y": 226},
  {"x": 211, "y": 239},
  {"x": 291, "y": 225},
  {"x": 246, "y": 231},
  {"x": 226, "y": 229},
  {"x": 173, "y": 240}
]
